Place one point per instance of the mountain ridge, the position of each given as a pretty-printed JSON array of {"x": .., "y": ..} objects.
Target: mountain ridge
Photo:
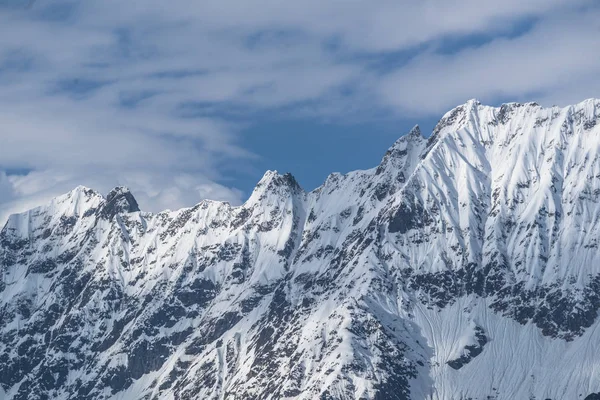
[{"x": 451, "y": 115}]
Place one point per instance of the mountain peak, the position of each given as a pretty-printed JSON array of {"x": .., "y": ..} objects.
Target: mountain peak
[
  {"x": 118, "y": 201},
  {"x": 272, "y": 179},
  {"x": 401, "y": 144},
  {"x": 415, "y": 132},
  {"x": 472, "y": 103},
  {"x": 274, "y": 184},
  {"x": 117, "y": 191}
]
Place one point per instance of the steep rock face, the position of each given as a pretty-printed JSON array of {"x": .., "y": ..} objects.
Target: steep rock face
[{"x": 464, "y": 266}]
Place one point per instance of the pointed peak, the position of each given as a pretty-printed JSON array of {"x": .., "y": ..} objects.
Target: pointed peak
[
  {"x": 268, "y": 176},
  {"x": 117, "y": 191},
  {"x": 274, "y": 183},
  {"x": 119, "y": 201},
  {"x": 402, "y": 142},
  {"x": 80, "y": 192},
  {"x": 466, "y": 107},
  {"x": 398, "y": 153},
  {"x": 274, "y": 179},
  {"x": 415, "y": 132},
  {"x": 291, "y": 181},
  {"x": 77, "y": 202},
  {"x": 454, "y": 118},
  {"x": 472, "y": 103},
  {"x": 82, "y": 188}
]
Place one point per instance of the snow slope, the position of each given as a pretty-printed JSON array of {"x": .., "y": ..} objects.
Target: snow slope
[{"x": 464, "y": 266}]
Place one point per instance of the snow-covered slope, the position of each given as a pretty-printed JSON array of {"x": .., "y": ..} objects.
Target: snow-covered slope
[{"x": 464, "y": 266}]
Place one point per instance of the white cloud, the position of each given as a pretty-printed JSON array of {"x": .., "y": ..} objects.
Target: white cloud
[
  {"x": 93, "y": 92},
  {"x": 553, "y": 58},
  {"x": 361, "y": 24}
]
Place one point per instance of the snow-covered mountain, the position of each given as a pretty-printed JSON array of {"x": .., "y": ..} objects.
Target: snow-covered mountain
[{"x": 464, "y": 266}]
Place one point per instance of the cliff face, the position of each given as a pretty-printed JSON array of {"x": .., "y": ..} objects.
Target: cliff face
[{"x": 465, "y": 265}]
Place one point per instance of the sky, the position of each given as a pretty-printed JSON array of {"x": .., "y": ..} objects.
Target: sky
[{"x": 184, "y": 100}]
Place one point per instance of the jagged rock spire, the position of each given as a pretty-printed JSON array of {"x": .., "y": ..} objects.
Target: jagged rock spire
[{"x": 119, "y": 201}]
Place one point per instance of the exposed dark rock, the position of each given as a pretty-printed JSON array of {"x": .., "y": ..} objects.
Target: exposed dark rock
[
  {"x": 119, "y": 201},
  {"x": 470, "y": 351}
]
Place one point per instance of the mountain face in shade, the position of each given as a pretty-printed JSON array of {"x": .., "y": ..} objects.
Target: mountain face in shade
[{"x": 464, "y": 266}]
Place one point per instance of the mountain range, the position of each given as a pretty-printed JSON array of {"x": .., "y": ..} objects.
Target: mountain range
[{"x": 464, "y": 266}]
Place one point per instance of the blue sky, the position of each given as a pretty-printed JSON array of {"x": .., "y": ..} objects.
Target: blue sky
[{"x": 185, "y": 100}]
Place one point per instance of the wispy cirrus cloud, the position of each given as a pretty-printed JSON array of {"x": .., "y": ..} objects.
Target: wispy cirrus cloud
[
  {"x": 551, "y": 59},
  {"x": 156, "y": 94}
]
